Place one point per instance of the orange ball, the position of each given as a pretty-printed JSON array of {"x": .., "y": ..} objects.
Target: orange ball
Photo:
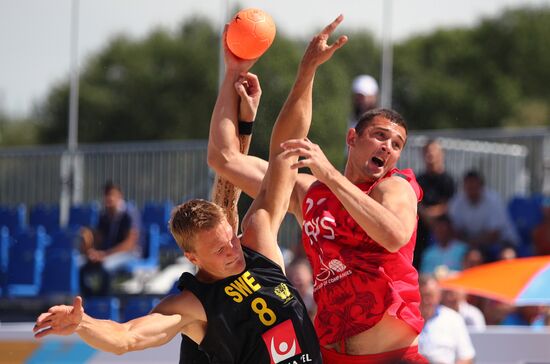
[{"x": 250, "y": 33}]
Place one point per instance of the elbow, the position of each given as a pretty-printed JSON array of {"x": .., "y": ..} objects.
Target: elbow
[
  {"x": 212, "y": 159},
  {"x": 125, "y": 344},
  {"x": 118, "y": 349},
  {"x": 121, "y": 350},
  {"x": 218, "y": 160},
  {"x": 397, "y": 242}
]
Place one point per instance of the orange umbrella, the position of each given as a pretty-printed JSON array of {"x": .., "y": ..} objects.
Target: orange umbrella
[{"x": 521, "y": 281}]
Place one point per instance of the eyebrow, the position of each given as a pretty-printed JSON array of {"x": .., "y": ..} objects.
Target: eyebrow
[{"x": 388, "y": 130}]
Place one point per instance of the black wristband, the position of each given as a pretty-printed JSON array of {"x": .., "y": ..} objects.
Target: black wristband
[{"x": 245, "y": 127}]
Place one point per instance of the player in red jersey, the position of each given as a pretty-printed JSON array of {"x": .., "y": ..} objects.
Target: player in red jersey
[{"x": 359, "y": 231}]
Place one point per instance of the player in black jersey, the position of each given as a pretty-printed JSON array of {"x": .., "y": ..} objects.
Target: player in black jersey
[{"x": 239, "y": 306}]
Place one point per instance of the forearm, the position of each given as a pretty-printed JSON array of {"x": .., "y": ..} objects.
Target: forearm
[
  {"x": 223, "y": 139},
  {"x": 144, "y": 332},
  {"x": 381, "y": 224},
  {"x": 226, "y": 194},
  {"x": 294, "y": 120},
  {"x": 105, "y": 335}
]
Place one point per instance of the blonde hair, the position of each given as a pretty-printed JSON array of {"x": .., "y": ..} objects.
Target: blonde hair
[{"x": 191, "y": 218}]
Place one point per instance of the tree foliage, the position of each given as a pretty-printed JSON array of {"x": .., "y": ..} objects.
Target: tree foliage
[
  {"x": 164, "y": 86},
  {"x": 491, "y": 75}
]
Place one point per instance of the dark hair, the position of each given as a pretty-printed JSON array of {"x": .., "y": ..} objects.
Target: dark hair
[
  {"x": 444, "y": 218},
  {"x": 428, "y": 143},
  {"x": 474, "y": 174},
  {"x": 110, "y": 186},
  {"x": 368, "y": 117}
]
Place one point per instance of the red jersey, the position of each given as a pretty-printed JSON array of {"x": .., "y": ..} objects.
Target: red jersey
[{"x": 356, "y": 280}]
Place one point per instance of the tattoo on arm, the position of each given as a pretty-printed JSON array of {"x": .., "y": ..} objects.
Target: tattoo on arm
[{"x": 225, "y": 194}]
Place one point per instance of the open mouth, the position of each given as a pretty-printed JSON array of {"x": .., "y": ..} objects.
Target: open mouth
[{"x": 379, "y": 162}]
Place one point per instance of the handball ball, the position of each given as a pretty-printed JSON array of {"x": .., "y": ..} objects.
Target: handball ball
[{"x": 250, "y": 33}]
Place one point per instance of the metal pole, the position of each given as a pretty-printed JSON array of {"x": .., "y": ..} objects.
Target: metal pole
[
  {"x": 73, "y": 98},
  {"x": 224, "y": 19},
  {"x": 387, "y": 55},
  {"x": 69, "y": 188}
]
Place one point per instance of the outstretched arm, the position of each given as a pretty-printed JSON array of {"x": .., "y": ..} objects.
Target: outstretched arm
[
  {"x": 152, "y": 330},
  {"x": 268, "y": 209}
]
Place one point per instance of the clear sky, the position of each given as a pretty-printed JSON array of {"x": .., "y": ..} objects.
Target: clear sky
[{"x": 35, "y": 34}]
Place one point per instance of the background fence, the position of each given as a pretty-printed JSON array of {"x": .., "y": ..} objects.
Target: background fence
[
  {"x": 504, "y": 166},
  {"x": 512, "y": 163},
  {"x": 145, "y": 171}
]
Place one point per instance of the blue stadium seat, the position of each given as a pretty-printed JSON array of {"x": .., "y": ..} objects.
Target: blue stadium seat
[
  {"x": 46, "y": 216},
  {"x": 14, "y": 218},
  {"x": 159, "y": 214},
  {"x": 83, "y": 215},
  {"x": 105, "y": 308},
  {"x": 150, "y": 254},
  {"x": 26, "y": 262},
  {"x": 4, "y": 249},
  {"x": 60, "y": 275},
  {"x": 138, "y": 306},
  {"x": 525, "y": 213}
]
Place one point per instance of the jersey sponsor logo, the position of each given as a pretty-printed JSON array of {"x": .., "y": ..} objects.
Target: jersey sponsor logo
[
  {"x": 281, "y": 342},
  {"x": 333, "y": 272},
  {"x": 283, "y": 292},
  {"x": 317, "y": 229}
]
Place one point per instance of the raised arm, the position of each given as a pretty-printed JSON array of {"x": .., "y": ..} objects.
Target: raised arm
[
  {"x": 225, "y": 193},
  {"x": 268, "y": 209},
  {"x": 154, "y": 329},
  {"x": 224, "y": 152}
]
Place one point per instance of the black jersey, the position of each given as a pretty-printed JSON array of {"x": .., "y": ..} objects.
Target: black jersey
[
  {"x": 190, "y": 353},
  {"x": 255, "y": 317}
]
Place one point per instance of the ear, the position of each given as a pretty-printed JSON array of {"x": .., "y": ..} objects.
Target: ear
[
  {"x": 192, "y": 257},
  {"x": 350, "y": 137}
]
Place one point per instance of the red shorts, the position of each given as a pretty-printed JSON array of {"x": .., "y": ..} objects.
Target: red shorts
[{"x": 409, "y": 355}]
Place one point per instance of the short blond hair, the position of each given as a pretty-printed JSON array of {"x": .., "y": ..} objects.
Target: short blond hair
[{"x": 191, "y": 218}]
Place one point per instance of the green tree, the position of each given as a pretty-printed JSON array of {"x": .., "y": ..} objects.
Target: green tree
[{"x": 17, "y": 131}]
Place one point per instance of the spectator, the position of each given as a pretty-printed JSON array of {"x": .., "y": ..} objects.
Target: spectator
[
  {"x": 472, "y": 258},
  {"x": 533, "y": 316},
  {"x": 495, "y": 311},
  {"x": 480, "y": 217},
  {"x": 445, "y": 338},
  {"x": 456, "y": 300},
  {"x": 364, "y": 98},
  {"x": 446, "y": 251},
  {"x": 438, "y": 187},
  {"x": 541, "y": 232},
  {"x": 299, "y": 274},
  {"x": 508, "y": 252},
  {"x": 109, "y": 245}
]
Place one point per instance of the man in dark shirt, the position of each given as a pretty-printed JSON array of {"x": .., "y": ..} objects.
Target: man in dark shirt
[
  {"x": 438, "y": 187},
  {"x": 111, "y": 244}
]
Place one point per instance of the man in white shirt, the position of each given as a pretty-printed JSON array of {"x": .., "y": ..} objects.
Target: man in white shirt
[
  {"x": 456, "y": 300},
  {"x": 445, "y": 338}
]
